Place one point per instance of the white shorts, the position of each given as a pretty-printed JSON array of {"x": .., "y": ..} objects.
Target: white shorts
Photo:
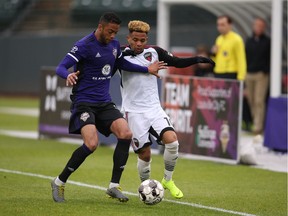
[{"x": 144, "y": 125}]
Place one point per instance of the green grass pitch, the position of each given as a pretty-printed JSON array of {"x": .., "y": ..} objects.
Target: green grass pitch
[{"x": 27, "y": 165}]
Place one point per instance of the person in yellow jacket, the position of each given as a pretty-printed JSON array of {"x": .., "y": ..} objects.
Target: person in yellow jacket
[{"x": 229, "y": 51}]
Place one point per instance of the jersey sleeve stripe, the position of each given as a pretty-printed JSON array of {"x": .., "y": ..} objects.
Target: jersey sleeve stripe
[{"x": 73, "y": 57}]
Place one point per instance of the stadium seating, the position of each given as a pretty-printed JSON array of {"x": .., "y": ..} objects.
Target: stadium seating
[
  {"x": 9, "y": 10},
  {"x": 114, "y": 5},
  {"x": 45, "y": 14},
  {"x": 87, "y": 10}
]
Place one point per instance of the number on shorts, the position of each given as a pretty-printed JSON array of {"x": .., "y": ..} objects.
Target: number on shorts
[{"x": 168, "y": 122}]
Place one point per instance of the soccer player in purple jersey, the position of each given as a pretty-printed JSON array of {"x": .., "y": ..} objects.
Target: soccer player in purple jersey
[{"x": 92, "y": 110}]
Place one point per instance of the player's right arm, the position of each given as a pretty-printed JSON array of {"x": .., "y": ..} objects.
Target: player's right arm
[
  {"x": 62, "y": 71},
  {"x": 72, "y": 58}
]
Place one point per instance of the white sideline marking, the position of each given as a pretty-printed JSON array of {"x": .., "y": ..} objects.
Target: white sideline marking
[
  {"x": 20, "y": 111},
  {"x": 126, "y": 192},
  {"x": 20, "y": 134}
]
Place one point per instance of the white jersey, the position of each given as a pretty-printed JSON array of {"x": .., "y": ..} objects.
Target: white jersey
[
  {"x": 140, "y": 90},
  {"x": 140, "y": 98}
]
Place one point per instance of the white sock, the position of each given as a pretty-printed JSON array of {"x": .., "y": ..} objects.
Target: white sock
[
  {"x": 144, "y": 169},
  {"x": 111, "y": 185},
  {"x": 170, "y": 159},
  {"x": 59, "y": 182}
]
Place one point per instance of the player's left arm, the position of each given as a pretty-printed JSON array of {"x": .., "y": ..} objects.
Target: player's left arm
[
  {"x": 180, "y": 62},
  {"x": 124, "y": 64}
]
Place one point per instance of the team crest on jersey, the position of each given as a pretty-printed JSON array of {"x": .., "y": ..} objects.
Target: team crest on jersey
[
  {"x": 84, "y": 116},
  {"x": 148, "y": 56},
  {"x": 74, "y": 49},
  {"x": 115, "y": 52},
  {"x": 106, "y": 69}
]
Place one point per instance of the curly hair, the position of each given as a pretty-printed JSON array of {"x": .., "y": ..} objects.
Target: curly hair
[{"x": 138, "y": 26}]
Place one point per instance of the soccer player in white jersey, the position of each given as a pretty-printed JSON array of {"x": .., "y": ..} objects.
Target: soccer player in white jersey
[{"x": 141, "y": 104}]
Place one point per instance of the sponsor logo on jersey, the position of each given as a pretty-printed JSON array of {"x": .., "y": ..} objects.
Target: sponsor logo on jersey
[
  {"x": 148, "y": 56},
  {"x": 114, "y": 52},
  {"x": 106, "y": 69},
  {"x": 84, "y": 116},
  {"x": 74, "y": 49}
]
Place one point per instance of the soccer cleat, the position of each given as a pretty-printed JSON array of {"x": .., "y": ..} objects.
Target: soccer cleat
[
  {"x": 57, "y": 192},
  {"x": 174, "y": 190},
  {"x": 116, "y": 193}
]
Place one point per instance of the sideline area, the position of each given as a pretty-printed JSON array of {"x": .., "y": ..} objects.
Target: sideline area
[{"x": 263, "y": 157}]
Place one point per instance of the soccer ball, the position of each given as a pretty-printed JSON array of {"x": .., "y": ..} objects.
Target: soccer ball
[{"x": 151, "y": 192}]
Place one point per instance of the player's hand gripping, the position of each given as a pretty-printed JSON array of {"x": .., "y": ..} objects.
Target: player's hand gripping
[
  {"x": 72, "y": 78},
  {"x": 155, "y": 67}
]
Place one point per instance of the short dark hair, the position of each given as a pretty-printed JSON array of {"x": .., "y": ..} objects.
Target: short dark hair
[
  {"x": 110, "y": 17},
  {"x": 260, "y": 18},
  {"x": 229, "y": 19}
]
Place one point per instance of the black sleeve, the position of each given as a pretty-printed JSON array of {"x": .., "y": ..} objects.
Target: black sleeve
[
  {"x": 180, "y": 62},
  {"x": 127, "y": 52}
]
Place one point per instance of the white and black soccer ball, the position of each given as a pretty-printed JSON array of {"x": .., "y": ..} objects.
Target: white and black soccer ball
[{"x": 151, "y": 192}]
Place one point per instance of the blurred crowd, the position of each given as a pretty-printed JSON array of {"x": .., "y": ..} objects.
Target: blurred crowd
[{"x": 243, "y": 59}]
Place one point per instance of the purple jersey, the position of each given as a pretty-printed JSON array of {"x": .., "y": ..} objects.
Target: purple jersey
[{"x": 97, "y": 63}]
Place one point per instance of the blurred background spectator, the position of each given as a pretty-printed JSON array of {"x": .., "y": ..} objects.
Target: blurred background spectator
[
  {"x": 258, "y": 70},
  {"x": 203, "y": 70},
  {"x": 229, "y": 51}
]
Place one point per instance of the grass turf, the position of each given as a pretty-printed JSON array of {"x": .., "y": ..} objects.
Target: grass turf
[{"x": 228, "y": 187}]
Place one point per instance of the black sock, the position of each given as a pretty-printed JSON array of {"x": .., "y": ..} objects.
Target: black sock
[
  {"x": 77, "y": 158},
  {"x": 120, "y": 158}
]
